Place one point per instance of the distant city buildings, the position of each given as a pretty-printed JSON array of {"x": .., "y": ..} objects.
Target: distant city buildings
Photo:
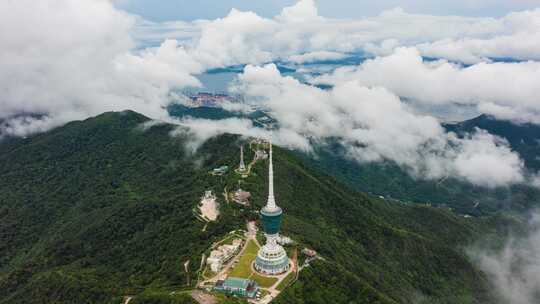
[{"x": 210, "y": 100}]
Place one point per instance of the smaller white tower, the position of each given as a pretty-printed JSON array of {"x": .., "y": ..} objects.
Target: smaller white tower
[{"x": 242, "y": 167}]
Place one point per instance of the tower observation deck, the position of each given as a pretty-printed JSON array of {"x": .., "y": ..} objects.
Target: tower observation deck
[{"x": 272, "y": 258}]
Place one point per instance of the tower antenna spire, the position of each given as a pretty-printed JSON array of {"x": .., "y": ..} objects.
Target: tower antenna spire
[
  {"x": 271, "y": 202},
  {"x": 242, "y": 166}
]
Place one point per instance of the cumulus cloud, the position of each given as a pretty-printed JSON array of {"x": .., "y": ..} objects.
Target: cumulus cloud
[
  {"x": 316, "y": 56},
  {"x": 77, "y": 58},
  {"x": 373, "y": 125},
  {"x": 199, "y": 131},
  {"x": 515, "y": 270},
  {"x": 504, "y": 90},
  {"x": 67, "y": 60},
  {"x": 518, "y": 39},
  {"x": 21, "y": 126},
  {"x": 303, "y": 11},
  {"x": 488, "y": 160},
  {"x": 535, "y": 180},
  {"x": 245, "y": 37}
]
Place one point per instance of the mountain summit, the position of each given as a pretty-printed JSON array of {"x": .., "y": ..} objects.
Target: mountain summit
[{"x": 103, "y": 208}]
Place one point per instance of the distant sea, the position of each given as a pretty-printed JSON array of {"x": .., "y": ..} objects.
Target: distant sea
[{"x": 219, "y": 80}]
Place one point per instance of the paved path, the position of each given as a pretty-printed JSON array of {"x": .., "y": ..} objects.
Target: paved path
[
  {"x": 226, "y": 195},
  {"x": 252, "y": 233}
]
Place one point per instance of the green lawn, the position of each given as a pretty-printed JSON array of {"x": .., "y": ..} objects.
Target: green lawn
[
  {"x": 243, "y": 268},
  {"x": 286, "y": 281},
  {"x": 264, "y": 282}
]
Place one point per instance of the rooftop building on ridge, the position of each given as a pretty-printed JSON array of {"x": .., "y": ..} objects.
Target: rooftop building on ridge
[
  {"x": 224, "y": 253},
  {"x": 241, "y": 197},
  {"x": 237, "y": 287}
]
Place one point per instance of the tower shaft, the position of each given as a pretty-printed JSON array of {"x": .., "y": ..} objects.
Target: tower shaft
[
  {"x": 271, "y": 202},
  {"x": 242, "y": 166}
]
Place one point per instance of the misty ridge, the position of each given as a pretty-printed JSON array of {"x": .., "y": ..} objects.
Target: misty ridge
[{"x": 514, "y": 267}]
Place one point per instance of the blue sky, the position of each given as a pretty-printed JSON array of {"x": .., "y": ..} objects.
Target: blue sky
[{"x": 163, "y": 10}]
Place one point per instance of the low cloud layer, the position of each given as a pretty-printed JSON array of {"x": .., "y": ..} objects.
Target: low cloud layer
[
  {"x": 300, "y": 29},
  {"x": 504, "y": 90},
  {"x": 514, "y": 271},
  {"x": 77, "y": 58},
  {"x": 373, "y": 125},
  {"x": 199, "y": 131},
  {"x": 65, "y": 59},
  {"x": 519, "y": 38}
]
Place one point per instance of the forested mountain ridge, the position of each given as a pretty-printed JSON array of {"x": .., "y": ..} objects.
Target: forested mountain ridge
[
  {"x": 393, "y": 182},
  {"x": 523, "y": 137},
  {"x": 102, "y": 208},
  {"x": 389, "y": 180}
]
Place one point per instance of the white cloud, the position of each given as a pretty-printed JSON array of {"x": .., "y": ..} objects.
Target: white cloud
[
  {"x": 505, "y": 90},
  {"x": 519, "y": 39},
  {"x": 303, "y": 11},
  {"x": 487, "y": 160},
  {"x": 535, "y": 180},
  {"x": 373, "y": 124},
  {"x": 515, "y": 270},
  {"x": 21, "y": 126},
  {"x": 245, "y": 37},
  {"x": 72, "y": 59},
  {"x": 151, "y": 33},
  {"x": 316, "y": 56},
  {"x": 237, "y": 38},
  {"x": 200, "y": 130}
]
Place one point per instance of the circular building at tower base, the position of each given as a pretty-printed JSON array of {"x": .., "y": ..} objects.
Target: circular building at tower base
[{"x": 272, "y": 260}]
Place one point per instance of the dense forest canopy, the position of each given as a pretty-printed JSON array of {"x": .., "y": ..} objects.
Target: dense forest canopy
[{"x": 103, "y": 208}]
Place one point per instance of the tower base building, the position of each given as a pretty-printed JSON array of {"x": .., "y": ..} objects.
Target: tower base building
[{"x": 272, "y": 260}]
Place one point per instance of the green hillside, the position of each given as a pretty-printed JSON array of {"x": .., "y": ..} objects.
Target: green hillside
[
  {"x": 389, "y": 180},
  {"x": 524, "y": 138},
  {"x": 99, "y": 209},
  {"x": 393, "y": 182}
]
